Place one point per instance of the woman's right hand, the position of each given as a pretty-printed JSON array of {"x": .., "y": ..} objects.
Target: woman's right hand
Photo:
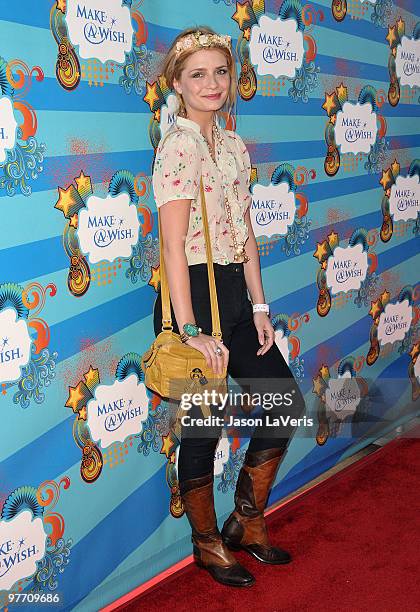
[{"x": 207, "y": 346}]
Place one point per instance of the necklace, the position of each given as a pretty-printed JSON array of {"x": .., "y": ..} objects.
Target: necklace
[{"x": 240, "y": 253}]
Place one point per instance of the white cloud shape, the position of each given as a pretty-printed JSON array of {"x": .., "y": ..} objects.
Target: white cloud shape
[
  {"x": 8, "y": 125},
  {"x": 276, "y": 46},
  {"x": 355, "y": 127},
  {"x": 347, "y": 268},
  {"x": 342, "y": 396},
  {"x": 117, "y": 410},
  {"x": 394, "y": 322},
  {"x": 108, "y": 227},
  {"x": 404, "y": 198},
  {"x": 272, "y": 210},
  {"x": 221, "y": 454},
  {"x": 407, "y": 61},
  {"x": 103, "y": 30},
  {"x": 283, "y": 344},
  {"x": 22, "y": 544},
  {"x": 168, "y": 113},
  {"x": 15, "y": 345}
]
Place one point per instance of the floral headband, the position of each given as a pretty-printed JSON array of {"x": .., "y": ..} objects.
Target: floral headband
[{"x": 198, "y": 40}]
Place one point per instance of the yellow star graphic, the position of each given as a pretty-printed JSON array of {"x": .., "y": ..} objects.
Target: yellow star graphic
[
  {"x": 386, "y": 178},
  {"x": 151, "y": 95},
  {"x": 75, "y": 395},
  {"x": 324, "y": 371},
  {"x": 395, "y": 167},
  {"x": 241, "y": 15},
  {"x": 172, "y": 458},
  {"x": 74, "y": 220},
  {"x": 247, "y": 33},
  {"x": 157, "y": 115},
  {"x": 66, "y": 200},
  {"x": 318, "y": 385},
  {"x": 83, "y": 182},
  {"x": 61, "y": 5},
  {"x": 155, "y": 278},
  {"x": 391, "y": 36},
  {"x": 321, "y": 251},
  {"x": 92, "y": 376},
  {"x": 400, "y": 25},
  {"x": 329, "y": 103},
  {"x": 333, "y": 239},
  {"x": 342, "y": 91},
  {"x": 375, "y": 309},
  {"x": 167, "y": 444},
  {"x": 415, "y": 351},
  {"x": 385, "y": 297},
  {"x": 82, "y": 414}
]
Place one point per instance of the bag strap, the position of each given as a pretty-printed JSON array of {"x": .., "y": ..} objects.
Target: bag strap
[{"x": 166, "y": 308}]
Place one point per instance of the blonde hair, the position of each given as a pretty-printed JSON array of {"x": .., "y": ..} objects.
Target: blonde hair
[{"x": 174, "y": 64}]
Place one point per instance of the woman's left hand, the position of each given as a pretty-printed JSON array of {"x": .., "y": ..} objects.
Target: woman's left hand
[{"x": 266, "y": 333}]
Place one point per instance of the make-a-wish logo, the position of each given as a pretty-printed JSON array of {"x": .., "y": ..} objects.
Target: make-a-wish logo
[
  {"x": 407, "y": 62},
  {"x": 272, "y": 210},
  {"x": 342, "y": 396},
  {"x": 394, "y": 322},
  {"x": 8, "y": 126},
  {"x": 403, "y": 61},
  {"x": 108, "y": 227},
  {"x": 22, "y": 544},
  {"x": 32, "y": 539},
  {"x": 25, "y": 360},
  {"x": 279, "y": 210},
  {"x": 103, "y": 229},
  {"x": 107, "y": 414},
  {"x": 355, "y": 129},
  {"x": 276, "y": 46},
  {"x": 347, "y": 268},
  {"x": 401, "y": 198},
  {"x": 15, "y": 345},
  {"x": 342, "y": 269},
  {"x": 101, "y": 31},
  {"x": 391, "y": 322},
  {"x": 341, "y": 399},
  {"x": 117, "y": 411},
  {"x": 404, "y": 200}
]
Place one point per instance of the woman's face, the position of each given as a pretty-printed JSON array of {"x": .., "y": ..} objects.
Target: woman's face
[{"x": 205, "y": 80}]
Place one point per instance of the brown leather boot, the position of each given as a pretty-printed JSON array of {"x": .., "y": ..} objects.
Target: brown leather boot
[
  {"x": 209, "y": 551},
  {"x": 245, "y": 527}
]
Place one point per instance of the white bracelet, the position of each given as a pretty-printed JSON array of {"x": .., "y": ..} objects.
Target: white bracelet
[{"x": 261, "y": 308}]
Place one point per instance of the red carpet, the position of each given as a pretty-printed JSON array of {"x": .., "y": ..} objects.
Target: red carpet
[{"x": 354, "y": 542}]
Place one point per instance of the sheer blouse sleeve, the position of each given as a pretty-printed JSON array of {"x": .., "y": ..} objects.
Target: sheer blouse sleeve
[{"x": 177, "y": 169}]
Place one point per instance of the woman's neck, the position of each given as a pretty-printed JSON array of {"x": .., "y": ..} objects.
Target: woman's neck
[{"x": 205, "y": 121}]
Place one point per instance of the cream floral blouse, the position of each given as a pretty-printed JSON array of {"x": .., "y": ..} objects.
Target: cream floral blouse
[{"x": 181, "y": 157}]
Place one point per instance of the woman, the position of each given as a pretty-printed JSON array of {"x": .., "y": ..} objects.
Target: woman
[{"x": 201, "y": 69}]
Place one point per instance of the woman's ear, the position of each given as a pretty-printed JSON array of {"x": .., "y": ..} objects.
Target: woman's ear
[{"x": 177, "y": 87}]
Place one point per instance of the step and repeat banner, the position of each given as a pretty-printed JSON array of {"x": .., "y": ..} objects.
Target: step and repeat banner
[{"x": 328, "y": 105}]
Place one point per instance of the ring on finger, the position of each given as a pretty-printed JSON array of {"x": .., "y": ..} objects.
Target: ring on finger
[{"x": 218, "y": 351}]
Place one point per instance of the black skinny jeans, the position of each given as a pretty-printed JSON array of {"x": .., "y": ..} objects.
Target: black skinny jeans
[{"x": 268, "y": 373}]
